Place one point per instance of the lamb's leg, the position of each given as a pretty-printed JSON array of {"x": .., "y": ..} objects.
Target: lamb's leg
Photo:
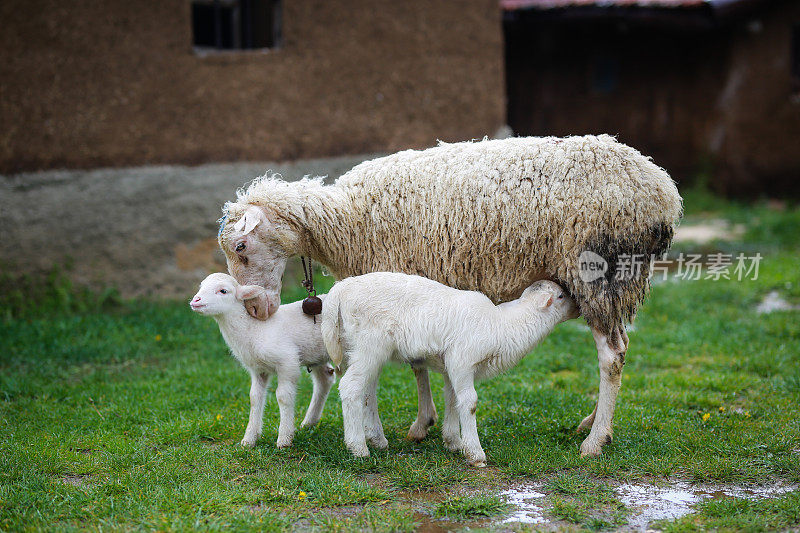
[
  {"x": 374, "y": 428},
  {"x": 426, "y": 410},
  {"x": 611, "y": 356},
  {"x": 361, "y": 370},
  {"x": 463, "y": 382},
  {"x": 451, "y": 432},
  {"x": 258, "y": 389},
  {"x": 285, "y": 394},
  {"x": 322, "y": 377}
]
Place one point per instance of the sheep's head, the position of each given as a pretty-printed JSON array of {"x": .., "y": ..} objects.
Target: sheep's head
[
  {"x": 548, "y": 296},
  {"x": 220, "y": 293},
  {"x": 256, "y": 249}
]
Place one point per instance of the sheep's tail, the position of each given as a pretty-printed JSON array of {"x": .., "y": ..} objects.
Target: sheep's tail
[{"x": 331, "y": 336}]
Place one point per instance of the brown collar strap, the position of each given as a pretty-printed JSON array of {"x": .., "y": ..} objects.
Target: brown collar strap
[{"x": 312, "y": 305}]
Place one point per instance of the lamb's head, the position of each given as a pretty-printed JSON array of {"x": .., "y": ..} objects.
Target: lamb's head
[
  {"x": 256, "y": 247},
  {"x": 550, "y": 297},
  {"x": 220, "y": 294}
]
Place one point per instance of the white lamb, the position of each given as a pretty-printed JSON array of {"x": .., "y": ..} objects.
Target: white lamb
[
  {"x": 370, "y": 319},
  {"x": 281, "y": 345}
]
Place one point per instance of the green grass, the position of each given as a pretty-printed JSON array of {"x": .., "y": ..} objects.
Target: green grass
[
  {"x": 463, "y": 507},
  {"x": 127, "y": 415}
]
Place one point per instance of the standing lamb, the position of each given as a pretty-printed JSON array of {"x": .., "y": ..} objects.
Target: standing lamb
[
  {"x": 280, "y": 345},
  {"x": 461, "y": 334},
  {"x": 492, "y": 216}
]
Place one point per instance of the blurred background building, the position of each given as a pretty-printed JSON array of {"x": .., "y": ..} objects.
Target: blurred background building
[
  {"x": 187, "y": 81},
  {"x": 704, "y": 86},
  {"x": 709, "y": 89}
]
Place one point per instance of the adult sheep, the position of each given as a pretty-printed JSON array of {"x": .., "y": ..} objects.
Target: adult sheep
[{"x": 492, "y": 216}]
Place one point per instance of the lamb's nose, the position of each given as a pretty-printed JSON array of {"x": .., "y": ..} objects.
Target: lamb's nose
[{"x": 195, "y": 299}]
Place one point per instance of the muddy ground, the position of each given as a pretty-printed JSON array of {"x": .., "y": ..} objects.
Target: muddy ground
[{"x": 144, "y": 230}]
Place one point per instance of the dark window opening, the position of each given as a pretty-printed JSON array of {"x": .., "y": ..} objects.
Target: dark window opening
[
  {"x": 605, "y": 75},
  {"x": 236, "y": 24},
  {"x": 796, "y": 60}
]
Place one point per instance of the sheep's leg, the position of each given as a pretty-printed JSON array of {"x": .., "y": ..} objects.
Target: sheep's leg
[
  {"x": 322, "y": 377},
  {"x": 611, "y": 357},
  {"x": 587, "y": 422},
  {"x": 426, "y": 410},
  {"x": 463, "y": 382},
  {"x": 451, "y": 432},
  {"x": 374, "y": 428},
  {"x": 352, "y": 391},
  {"x": 285, "y": 393},
  {"x": 258, "y": 389}
]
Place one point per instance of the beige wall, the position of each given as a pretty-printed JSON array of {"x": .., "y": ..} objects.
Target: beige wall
[{"x": 116, "y": 83}]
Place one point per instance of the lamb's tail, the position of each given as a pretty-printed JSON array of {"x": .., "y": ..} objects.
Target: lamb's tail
[{"x": 331, "y": 321}]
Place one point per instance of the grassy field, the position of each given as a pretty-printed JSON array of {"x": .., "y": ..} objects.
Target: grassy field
[{"x": 127, "y": 415}]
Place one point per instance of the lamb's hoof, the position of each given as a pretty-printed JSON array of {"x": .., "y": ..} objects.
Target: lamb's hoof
[
  {"x": 379, "y": 442},
  {"x": 359, "y": 451},
  {"x": 249, "y": 442},
  {"x": 309, "y": 423},
  {"x": 478, "y": 464},
  {"x": 284, "y": 442},
  {"x": 453, "y": 445}
]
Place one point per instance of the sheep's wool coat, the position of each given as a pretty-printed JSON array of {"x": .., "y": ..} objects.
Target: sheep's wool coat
[{"x": 491, "y": 216}]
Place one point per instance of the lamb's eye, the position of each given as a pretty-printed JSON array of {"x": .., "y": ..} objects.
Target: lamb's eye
[
  {"x": 560, "y": 295},
  {"x": 240, "y": 247},
  {"x": 223, "y": 291}
]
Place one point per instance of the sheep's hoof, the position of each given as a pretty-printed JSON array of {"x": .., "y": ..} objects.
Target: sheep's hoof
[
  {"x": 417, "y": 432},
  {"x": 249, "y": 442},
  {"x": 479, "y": 464},
  {"x": 591, "y": 448}
]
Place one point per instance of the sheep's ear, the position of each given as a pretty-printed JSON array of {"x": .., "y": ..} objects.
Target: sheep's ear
[
  {"x": 250, "y": 219},
  {"x": 543, "y": 300},
  {"x": 246, "y": 292}
]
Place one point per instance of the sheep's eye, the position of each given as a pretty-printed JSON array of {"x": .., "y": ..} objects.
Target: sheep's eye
[
  {"x": 560, "y": 295},
  {"x": 240, "y": 247},
  {"x": 223, "y": 291}
]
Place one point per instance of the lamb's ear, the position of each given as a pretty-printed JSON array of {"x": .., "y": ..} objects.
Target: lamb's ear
[
  {"x": 543, "y": 300},
  {"x": 250, "y": 219},
  {"x": 246, "y": 292}
]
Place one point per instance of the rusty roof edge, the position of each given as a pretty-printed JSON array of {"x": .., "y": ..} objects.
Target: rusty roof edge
[{"x": 721, "y": 8}]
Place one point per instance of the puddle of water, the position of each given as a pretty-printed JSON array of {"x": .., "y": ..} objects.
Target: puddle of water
[
  {"x": 657, "y": 503},
  {"x": 648, "y": 502},
  {"x": 651, "y": 502},
  {"x": 527, "y": 512}
]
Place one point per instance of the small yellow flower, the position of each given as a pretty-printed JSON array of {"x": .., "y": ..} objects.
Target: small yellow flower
[
  {"x": 301, "y": 496},
  {"x": 721, "y": 409},
  {"x": 747, "y": 414},
  {"x": 158, "y": 337},
  {"x": 219, "y": 417},
  {"x": 706, "y": 417}
]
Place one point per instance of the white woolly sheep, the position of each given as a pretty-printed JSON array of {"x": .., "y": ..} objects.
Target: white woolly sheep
[
  {"x": 492, "y": 216},
  {"x": 281, "y": 345},
  {"x": 461, "y": 334}
]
